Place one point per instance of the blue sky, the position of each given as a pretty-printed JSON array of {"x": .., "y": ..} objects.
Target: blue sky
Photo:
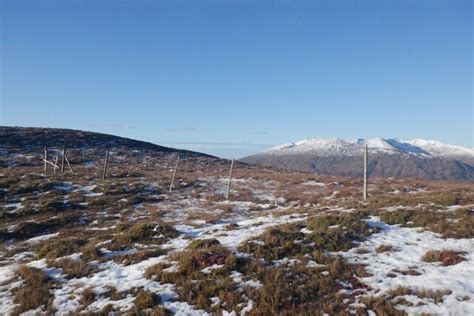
[{"x": 232, "y": 78}]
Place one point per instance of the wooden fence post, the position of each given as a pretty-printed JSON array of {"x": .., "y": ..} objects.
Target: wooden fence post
[
  {"x": 105, "y": 164},
  {"x": 365, "y": 170},
  {"x": 68, "y": 164},
  {"x": 45, "y": 159},
  {"x": 174, "y": 175},
  {"x": 62, "y": 159},
  {"x": 230, "y": 179},
  {"x": 55, "y": 163}
]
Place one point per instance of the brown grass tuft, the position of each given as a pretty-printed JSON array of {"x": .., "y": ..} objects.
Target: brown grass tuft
[
  {"x": 34, "y": 292},
  {"x": 446, "y": 257}
]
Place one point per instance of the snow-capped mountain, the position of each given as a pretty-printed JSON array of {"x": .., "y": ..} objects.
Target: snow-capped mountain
[
  {"x": 337, "y": 146},
  {"x": 416, "y": 158}
]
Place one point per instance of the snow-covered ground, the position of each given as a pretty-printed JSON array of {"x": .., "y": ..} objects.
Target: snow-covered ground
[
  {"x": 408, "y": 247},
  {"x": 199, "y": 211}
]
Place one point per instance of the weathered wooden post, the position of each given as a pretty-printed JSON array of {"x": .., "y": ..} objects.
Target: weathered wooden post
[
  {"x": 365, "y": 170},
  {"x": 68, "y": 164},
  {"x": 55, "y": 163},
  {"x": 174, "y": 175},
  {"x": 45, "y": 159},
  {"x": 105, "y": 164},
  {"x": 230, "y": 179},
  {"x": 51, "y": 163},
  {"x": 62, "y": 159}
]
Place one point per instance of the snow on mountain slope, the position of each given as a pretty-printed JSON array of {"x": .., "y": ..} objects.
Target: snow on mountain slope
[
  {"x": 420, "y": 159},
  {"x": 437, "y": 148},
  {"x": 339, "y": 147}
]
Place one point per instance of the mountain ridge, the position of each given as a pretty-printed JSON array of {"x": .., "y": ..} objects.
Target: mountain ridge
[
  {"x": 388, "y": 157},
  {"x": 416, "y": 146}
]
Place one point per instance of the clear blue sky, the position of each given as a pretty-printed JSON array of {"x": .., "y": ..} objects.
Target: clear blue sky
[{"x": 234, "y": 77}]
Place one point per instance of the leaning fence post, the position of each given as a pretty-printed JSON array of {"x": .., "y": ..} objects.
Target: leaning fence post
[
  {"x": 62, "y": 159},
  {"x": 174, "y": 175},
  {"x": 105, "y": 164},
  {"x": 45, "y": 158},
  {"x": 230, "y": 179},
  {"x": 55, "y": 163},
  {"x": 68, "y": 164},
  {"x": 365, "y": 171}
]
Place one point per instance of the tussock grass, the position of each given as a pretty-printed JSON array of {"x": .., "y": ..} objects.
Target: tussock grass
[
  {"x": 362, "y": 250},
  {"x": 384, "y": 248},
  {"x": 382, "y": 306},
  {"x": 144, "y": 300},
  {"x": 459, "y": 224},
  {"x": 113, "y": 293},
  {"x": 53, "y": 249},
  {"x": 146, "y": 233},
  {"x": 72, "y": 268},
  {"x": 208, "y": 217},
  {"x": 42, "y": 225},
  {"x": 300, "y": 289},
  {"x": 278, "y": 242},
  {"x": 34, "y": 291},
  {"x": 445, "y": 257},
  {"x": 203, "y": 243},
  {"x": 330, "y": 232},
  {"x": 139, "y": 256},
  {"x": 87, "y": 297},
  {"x": 436, "y": 296},
  {"x": 339, "y": 231},
  {"x": 196, "y": 287}
]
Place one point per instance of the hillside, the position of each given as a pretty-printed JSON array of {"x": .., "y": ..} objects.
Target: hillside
[
  {"x": 24, "y": 146},
  {"x": 418, "y": 159},
  {"x": 284, "y": 243},
  {"x": 32, "y": 139}
]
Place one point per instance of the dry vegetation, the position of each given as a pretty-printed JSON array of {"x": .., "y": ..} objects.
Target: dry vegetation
[
  {"x": 34, "y": 290},
  {"x": 457, "y": 224},
  {"x": 444, "y": 257},
  {"x": 292, "y": 266}
]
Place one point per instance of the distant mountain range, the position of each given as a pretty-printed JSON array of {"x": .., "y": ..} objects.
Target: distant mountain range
[{"x": 418, "y": 158}]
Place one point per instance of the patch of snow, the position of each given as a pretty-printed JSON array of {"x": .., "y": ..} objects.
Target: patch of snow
[
  {"x": 237, "y": 278},
  {"x": 286, "y": 261},
  {"x": 41, "y": 238},
  {"x": 314, "y": 264},
  {"x": 209, "y": 269},
  {"x": 112, "y": 253},
  {"x": 411, "y": 245},
  {"x": 314, "y": 183}
]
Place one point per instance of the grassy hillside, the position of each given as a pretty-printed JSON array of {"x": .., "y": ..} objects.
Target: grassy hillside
[{"x": 285, "y": 243}]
